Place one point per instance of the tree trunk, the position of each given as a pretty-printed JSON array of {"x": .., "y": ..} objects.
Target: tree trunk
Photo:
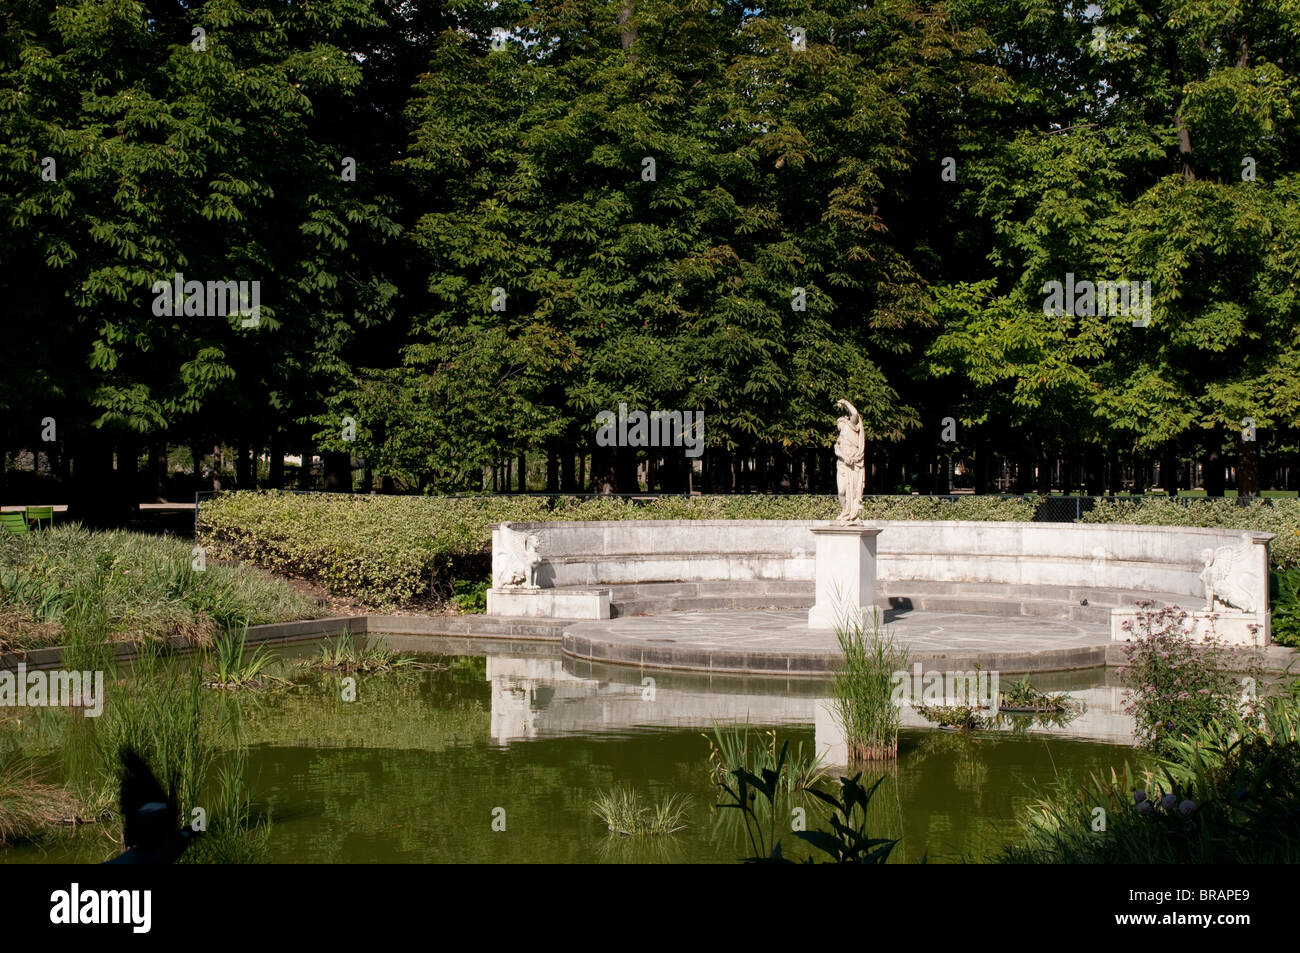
[
  {"x": 338, "y": 472},
  {"x": 627, "y": 33},
  {"x": 244, "y": 467},
  {"x": 552, "y": 469},
  {"x": 276, "y": 475},
  {"x": 1215, "y": 483},
  {"x": 1248, "y": 482},
  {"x": 158, "y": 472},
  {"x": 568, "y": 474},
  {"x": 1169, "y": 473}
]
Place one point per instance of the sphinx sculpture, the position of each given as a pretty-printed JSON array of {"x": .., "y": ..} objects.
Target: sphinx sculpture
[
  {"x": 850, "y": 459},
  {"x": 1231, "y": 576},
  {"x": 516, "y": 560}
]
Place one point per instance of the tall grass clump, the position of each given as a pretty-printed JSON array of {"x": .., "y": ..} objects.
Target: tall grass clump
[
  {"x": 741, "y": 746},
  {"x": 845, "y": 839},
  {"x": 28, "y": 804},
  {"x": 234, "y": 665},
  {"x": 626, "y": 811},
  {"x": 342, "y": 655},
  {"x": 862, "y": 699},
  {"x": 194, "y": 747},
  {"x": 158, "y": 713}
]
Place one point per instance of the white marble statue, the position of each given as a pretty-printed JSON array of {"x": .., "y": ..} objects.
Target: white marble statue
[
  {"x": 515, "y": 560},
  {"x": 850, "y": 459},
  {"x": 1231, "y": 576}
]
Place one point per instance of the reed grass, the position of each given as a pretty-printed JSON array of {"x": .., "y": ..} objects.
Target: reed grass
[
  {"x": 342, "y": 655},
  {"x": 29, "y": 805},
  {"x": 862, "y": 690},
  {"x": 744, "y": 746},
  {"x": 233, "y": 665},
  {"x": 625, "y": 810}
]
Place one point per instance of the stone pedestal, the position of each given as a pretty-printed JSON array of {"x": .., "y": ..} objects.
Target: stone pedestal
[
  {"x": 846, "y": 576},
  {"x": 549, "y": 603},
  {"x": 1227, "y": 626}
]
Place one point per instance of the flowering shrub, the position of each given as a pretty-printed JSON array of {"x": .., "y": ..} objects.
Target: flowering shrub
[{"x": 1177, "y": 686}]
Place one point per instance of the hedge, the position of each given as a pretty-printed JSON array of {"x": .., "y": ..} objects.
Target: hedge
[
  {"x": 392, "y": 550},
  {"x": 1279, "y": 516}
]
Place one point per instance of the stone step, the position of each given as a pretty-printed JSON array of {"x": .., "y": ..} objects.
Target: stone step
[{"x": 1048, "y": 602}]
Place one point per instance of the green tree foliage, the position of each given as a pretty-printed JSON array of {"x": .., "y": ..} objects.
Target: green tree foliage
[{"x": 648, "y": 183}]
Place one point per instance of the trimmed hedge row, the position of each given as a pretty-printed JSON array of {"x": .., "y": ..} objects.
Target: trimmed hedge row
[
  {"x": 1279, "y": 516},
  {"x": 391, "y": 550}
]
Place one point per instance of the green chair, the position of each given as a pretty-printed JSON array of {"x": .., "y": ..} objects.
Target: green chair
[
  {"x": 14, "y": 522},
  {"x": 37, "y": 513}
]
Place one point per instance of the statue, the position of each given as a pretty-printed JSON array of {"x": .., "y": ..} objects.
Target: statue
[
  {"x": 850, "y": 459},
  {"x": 516, "y": 560},
  {"x": 1230, "y": 576}
]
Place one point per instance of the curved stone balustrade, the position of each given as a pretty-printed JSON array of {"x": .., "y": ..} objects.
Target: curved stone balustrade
[
  {"x": 1053, "y": 568},
  {"x": 1164, "y": 559}
]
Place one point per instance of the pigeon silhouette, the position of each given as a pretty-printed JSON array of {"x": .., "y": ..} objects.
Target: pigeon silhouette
[{"x": 150, "y": 817}]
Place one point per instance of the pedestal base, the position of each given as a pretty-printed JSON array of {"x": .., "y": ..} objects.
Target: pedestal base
[
  {"x": 1229, "y": 626},
  {"x": 549, "y": 603},
  {"x": 846, "y": 576}
]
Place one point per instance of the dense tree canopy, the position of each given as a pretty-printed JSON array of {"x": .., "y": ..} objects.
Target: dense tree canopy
[{"x": 477, "y": 225}]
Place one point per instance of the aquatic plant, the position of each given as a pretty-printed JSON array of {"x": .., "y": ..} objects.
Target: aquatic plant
[
  {"x": 862, "y": 692},
  {"x": 743, "y": 746},
  {"x": 233, "y": 665},
  {"x": 341, "y": 655},
  {"x": 1022, "y": 696},
  {"x": 29, "y": 805},
  {"x": 625, "y": 811},
  {"x": 846, "y": 840},
  {"x": 960, "y": 717},
  {"x": 1226, "y": 793}
]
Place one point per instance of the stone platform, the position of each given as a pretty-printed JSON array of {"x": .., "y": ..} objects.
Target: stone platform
[{"x": 779, "y": 641}]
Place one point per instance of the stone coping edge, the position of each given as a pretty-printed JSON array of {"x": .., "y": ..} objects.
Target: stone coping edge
[
  {"x": 1257, "y": 535},
  {"x": 276, "y": 633},
  {"x": 813, "y": 664}
]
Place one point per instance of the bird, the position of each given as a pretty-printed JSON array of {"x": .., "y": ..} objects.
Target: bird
[{"x": 150, "y": 817}]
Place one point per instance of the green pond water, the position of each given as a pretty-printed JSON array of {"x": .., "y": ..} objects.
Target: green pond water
[{"x": 417, "y": 767}]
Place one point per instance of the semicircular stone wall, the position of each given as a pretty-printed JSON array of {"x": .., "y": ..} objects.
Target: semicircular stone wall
[{"x": 1165, "y": 559}]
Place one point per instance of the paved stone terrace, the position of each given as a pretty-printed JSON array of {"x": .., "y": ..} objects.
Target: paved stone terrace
[{"x": 779, "y": 641}]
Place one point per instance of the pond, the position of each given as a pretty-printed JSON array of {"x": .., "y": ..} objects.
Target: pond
[{"x": 421, "y": 764}]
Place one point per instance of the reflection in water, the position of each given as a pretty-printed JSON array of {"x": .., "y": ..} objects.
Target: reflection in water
[
  {"x": 540, "y": 697},
  {"x": 413, "y": 770}
]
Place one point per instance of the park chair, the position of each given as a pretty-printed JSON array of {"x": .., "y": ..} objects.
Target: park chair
[
  {"x": 14, "y": 522},
  {"x": 37, "y": 513}
]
